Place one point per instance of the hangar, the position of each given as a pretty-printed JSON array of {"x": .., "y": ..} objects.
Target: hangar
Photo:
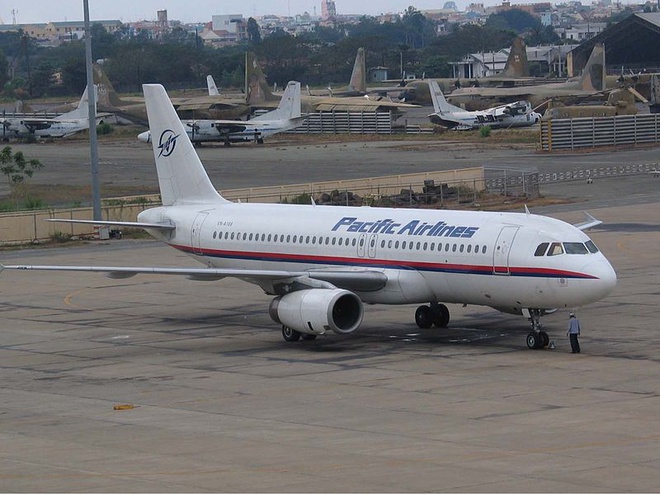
[{"x": 631, "y": 43}]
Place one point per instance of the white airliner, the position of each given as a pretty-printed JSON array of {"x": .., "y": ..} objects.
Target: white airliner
[
  {"x": 63, "y": 125},
  {"x": 518, "y": 114},
  {"x": 285, "y": 117},
  {"x": 322, "y": 263}
]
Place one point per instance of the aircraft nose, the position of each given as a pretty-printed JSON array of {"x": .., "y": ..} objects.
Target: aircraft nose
[
  {"x": 605, "y": 277},
  {"x": 145, "y": 136}
]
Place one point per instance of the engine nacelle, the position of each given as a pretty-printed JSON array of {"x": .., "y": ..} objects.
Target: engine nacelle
[{"x": 316, "y": 310}]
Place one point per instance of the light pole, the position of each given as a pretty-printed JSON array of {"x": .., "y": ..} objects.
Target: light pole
[{"x": 91, "y": 101}]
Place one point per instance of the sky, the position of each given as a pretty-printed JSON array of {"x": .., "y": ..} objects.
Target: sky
[{"x": 29, "y": 11}]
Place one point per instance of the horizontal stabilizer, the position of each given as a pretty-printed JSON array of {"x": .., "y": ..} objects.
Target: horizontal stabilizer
[{"x": 127, "y": 224}]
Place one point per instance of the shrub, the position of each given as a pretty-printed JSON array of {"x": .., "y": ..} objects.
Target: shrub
[{"x": 485, "y": 131}]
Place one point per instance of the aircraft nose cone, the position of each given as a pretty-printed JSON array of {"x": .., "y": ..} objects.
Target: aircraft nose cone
[
  {"x": 145, "y": 136},
  {"x": 606, "y": 277}
]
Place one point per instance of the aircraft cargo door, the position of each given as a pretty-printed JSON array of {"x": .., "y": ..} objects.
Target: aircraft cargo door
[
  {"x": 503, "y": 249},
  {"x": 196, "y": 232}
]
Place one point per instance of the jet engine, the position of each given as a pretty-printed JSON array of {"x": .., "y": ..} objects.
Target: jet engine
[{"x": 317, "y": 310}]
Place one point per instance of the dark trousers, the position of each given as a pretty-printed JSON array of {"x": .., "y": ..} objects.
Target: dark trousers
[{"x": 575, "y": 344}]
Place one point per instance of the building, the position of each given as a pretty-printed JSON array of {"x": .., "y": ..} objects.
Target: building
[{"x": 328, "y": 10}]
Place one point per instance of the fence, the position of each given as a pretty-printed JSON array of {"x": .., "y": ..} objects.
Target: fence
[
  {"x": 346, "y": 123},
  {"x": 581, "y": 133}
]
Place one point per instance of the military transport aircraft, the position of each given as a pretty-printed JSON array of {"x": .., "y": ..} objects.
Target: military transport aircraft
[
  {"x": 287, "y": 116},
  {"x": 518, "y": 114}
]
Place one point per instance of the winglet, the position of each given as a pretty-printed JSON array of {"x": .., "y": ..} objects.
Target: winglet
[
  {"x": 589, "y": 223},
  {"x": 527, "y": 210}
]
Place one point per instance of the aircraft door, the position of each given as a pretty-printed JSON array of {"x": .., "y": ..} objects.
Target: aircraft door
[
  {"x": 371, "y": 248},
  {"x": 503, "y": 249},
  {"x": 367, "y": 245},
  {"x": 196, "y": 233},
  {"x": 362, "y": 243}
]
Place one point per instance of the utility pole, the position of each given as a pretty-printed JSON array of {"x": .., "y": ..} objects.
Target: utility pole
[{"x": 91, "y": 99}]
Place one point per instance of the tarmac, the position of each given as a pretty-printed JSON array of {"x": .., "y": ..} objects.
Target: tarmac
[{"x": 217, "y": 401}]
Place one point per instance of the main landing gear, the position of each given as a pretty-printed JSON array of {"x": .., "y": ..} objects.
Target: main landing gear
[
  {"x": 432, "y": 315},
  {"x": 536, "y": 339}
]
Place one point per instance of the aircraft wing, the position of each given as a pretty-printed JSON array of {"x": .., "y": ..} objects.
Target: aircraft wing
[
  {"x": 589, "y": 222},
  {"x": 358, "y": 280}
]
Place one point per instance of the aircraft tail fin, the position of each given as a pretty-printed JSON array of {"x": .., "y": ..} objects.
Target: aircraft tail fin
[
  {"x": 257, "y": 89},
  {"x": 210, "y": 83},
  {"x": 358, "y": 82},
  {"x": 593, "y": 74},
  {"x": 181, "y": 175},
  {"x": 107, "y": 96},
  {"x": 440, "y": 104},
  {"x": 82, "y": 110},
  {"x": 289, "y": 107},
  {"x": 516, "y": 64}
]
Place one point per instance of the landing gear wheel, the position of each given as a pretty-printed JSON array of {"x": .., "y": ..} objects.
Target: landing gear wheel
[
  {"x": 545, "y": 339},
  {"x": 290, "y": 334},
  {"x": 534, "y": 341},
  {"x": 308, "y": 337},
  {"x": 440, "y": 315},
  {"x": 424, "y": 317}
]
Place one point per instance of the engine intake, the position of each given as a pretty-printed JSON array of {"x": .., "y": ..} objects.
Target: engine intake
[{"x": 315, "y": 311}]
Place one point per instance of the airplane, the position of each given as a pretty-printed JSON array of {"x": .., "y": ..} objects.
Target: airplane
[
  {"x": 259, "y": 95},
  {"x": 518, "y": 114},
  {"x": 589, "y": 84},
  {"x": 357, "y": 85},
  {"x": 287, "y": 116},
  {"x": 321, "y": 264},
  {"x": 515, "y": 72},
  {"x": 62, "y": 125}
]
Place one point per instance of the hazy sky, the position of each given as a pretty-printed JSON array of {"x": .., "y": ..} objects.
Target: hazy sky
[{"x": 199, "y": 10}]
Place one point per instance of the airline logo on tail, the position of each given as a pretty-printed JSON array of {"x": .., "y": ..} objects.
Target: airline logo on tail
[{"x": 167, "y": 142}]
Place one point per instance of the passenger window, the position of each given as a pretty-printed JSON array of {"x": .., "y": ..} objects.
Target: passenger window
[
  {"x": 396, "y": 244},
  {"x": 288, "y": 239},
  {"x": 419, "y": 245},
  {"x": 269, "y": 237},
  {"x": 389, "y": 244},
  {"x": 483, "y": 249},
  {"x": 555, "y": 249},
  {"x": 232, "y": 236},
  {"x": 461, "y": 248},
  {"x": 403, "y": 245},
  {"x": 426, "y": 244},
  {"x": 382, "y": 244},
  {"x": 575, "y": 248},
  {"x": 453, "y": 248},
  {"x": 354, "y": 242},
  {"x": 446, "y": 247},
  {"x": 540, "y": 250},
  {"x": 307, "y": 239},
  {"x": 432, "y": 246},
  {"x": 469, "y": 249},
  {"x": 334, "y": 240}
]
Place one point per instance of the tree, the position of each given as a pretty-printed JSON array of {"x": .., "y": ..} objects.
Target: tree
[
  {"x": 17, "y": 169},
  {"x": 253, "y": 32}
]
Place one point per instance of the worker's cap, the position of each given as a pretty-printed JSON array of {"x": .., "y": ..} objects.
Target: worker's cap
[{"x": 571, "y": 314}]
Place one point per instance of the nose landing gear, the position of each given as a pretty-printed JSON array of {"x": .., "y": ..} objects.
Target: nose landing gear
[{"x": 536, "y": 339}]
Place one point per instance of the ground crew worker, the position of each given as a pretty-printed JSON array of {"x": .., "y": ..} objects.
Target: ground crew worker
[{"x": 573, "y": 332}]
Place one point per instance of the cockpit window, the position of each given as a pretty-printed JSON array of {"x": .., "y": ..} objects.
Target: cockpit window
[
  {"x": 575, "y": 248},
  {"x": 540, "y": 250},
  {"x": 592, "y": 247},
  {"x": 555, "y": 249}
]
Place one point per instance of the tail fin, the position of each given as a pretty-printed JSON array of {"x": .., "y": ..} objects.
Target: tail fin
[
  {"x": 593, "y": 74},
  {"x": 358, "y": 82},
  {"x": 107, "y": 96},
  {"x": 181, "y": 176},
  {"x": 210, "y": 83},
  {"x": 440, "y": 104},
  {"x": 516, "y": 64},
  {"x": 82, "y": 110},
  {"x": 257, "y": 89},
  {"x": 289, "y": 107}
]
